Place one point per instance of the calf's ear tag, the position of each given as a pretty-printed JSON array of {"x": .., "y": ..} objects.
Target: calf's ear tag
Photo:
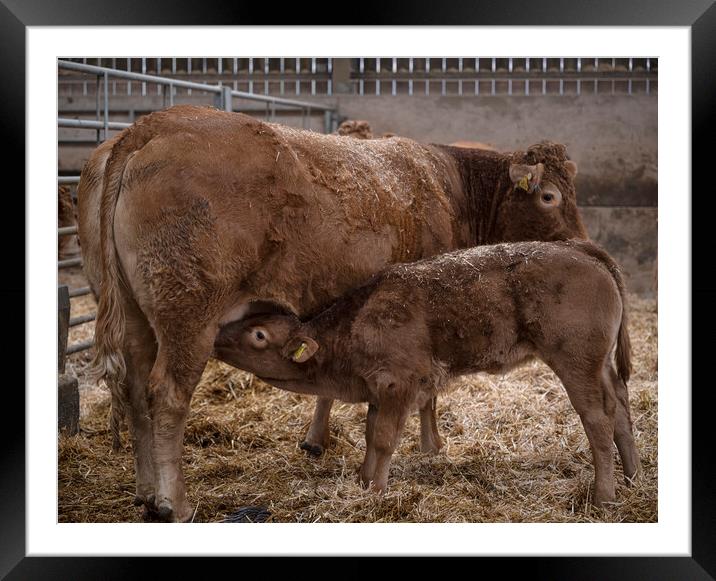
[
  {"x": 524, "y": 183},
  {"x": 298, "y": 352}
]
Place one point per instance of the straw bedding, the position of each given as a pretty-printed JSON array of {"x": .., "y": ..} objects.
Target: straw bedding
[{"x": 515, "y": 451}]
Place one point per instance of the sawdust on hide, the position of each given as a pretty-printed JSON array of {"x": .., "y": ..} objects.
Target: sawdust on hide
[{"x": 397, "y": 180}]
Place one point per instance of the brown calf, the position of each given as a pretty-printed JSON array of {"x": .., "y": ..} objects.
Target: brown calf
[
  {"x": 397, "y": 340},
  {"x": 66, "y": 216}
]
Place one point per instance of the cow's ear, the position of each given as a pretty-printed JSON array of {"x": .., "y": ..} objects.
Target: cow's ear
[
  {"x": 300, "y": 349},
  {"x": 571, "y": 168},
  {"x": 526, "y": 177}
]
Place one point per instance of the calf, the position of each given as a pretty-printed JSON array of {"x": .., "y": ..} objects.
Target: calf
[
  {"x": 395, "y": 341},
  {"x": 66, "y": 216}
]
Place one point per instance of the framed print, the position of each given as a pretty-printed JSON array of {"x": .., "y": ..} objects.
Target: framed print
[{"x": 251, "y": 198}]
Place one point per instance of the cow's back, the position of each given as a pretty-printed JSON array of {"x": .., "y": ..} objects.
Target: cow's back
[{"x": 295, "y": 216}]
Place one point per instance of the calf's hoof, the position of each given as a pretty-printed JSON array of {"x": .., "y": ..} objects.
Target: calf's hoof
[
  {"x": 364, "y": 480},
  {"x": 631, "y": 480},
  {"x": 379, "y": 487},
  {"x": 602, "y": 500},
  {"x": 313, "y": 449},
  {"x": 431, "y": 448}
]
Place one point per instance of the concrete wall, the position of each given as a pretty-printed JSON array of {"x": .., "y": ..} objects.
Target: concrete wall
[{"x": 613, "y": 139}]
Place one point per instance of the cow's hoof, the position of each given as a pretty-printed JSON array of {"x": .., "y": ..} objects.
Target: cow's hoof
[
  {"x": 167, "y": 513},
  {"x": 149, "y": 514},
  {"x": 313, "y": 449},
  {"x": 146, "y": 499}
]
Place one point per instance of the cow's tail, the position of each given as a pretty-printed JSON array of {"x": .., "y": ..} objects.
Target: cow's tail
[
  {"x": 622, "y": 353},
  {"x": 108, "y": 364}
]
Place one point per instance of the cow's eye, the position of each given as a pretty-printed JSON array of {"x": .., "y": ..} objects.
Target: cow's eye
[
  {"x": 550, "y": 198},
  {"x": 259, "y": 335}
]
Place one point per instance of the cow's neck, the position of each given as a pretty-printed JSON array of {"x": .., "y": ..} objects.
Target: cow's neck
[{"x": 485, "y": 179}]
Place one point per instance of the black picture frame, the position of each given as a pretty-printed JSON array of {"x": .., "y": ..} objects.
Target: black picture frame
[{"x": 700, "y": 16}]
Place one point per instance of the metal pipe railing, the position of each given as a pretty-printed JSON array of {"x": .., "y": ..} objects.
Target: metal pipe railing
[
  {"x": 81, "y": 291},
  {"x": 81, "y": 320},
  {"x": 90, "y": 124},
  {"x": 217, "y": 89},
  {"x": 67, "y": 231},
  {"x": 69, "y": 262},
  {"x": 77, "y": 347}
]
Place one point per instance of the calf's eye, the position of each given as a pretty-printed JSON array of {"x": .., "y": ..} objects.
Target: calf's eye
[{"x": 259, "y": 335}]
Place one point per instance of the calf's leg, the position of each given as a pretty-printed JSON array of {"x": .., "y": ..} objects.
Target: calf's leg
[
  {"x": 318, "y": 435},
  {"x": 430, "y": 441},
  {"x": 623, "y": 434},
  {"x": 368, "y": 468},
  {"x": 389, "y": 423},
  {"x": 595, "y": 402}
]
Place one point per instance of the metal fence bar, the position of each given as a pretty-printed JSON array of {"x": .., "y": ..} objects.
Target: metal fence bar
[
  {"x": 68, "y": 180},
  {"x": 79, "y": 292},
  {"x": 81, "y": 320},
  {"x": 106, "y": 106},
  {"x": 82, "y": 346},
  {"x": 69, "y": 262},
  {"x": 97, "y": 99},
  {"x": 68, "y": 65},
  {"x": 144, "y": 72},
  {"x": 67, "y": 231},
  {"x": 89, "y": 123}
]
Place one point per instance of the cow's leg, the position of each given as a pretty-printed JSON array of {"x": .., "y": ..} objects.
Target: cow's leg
[
  {"x": 389, "y": 423},
  {"x": 430, "y": 441},
  {"x": 368, "y": 468},
  {"x": 318, "y": 435},
  {"x": 139, "y": 354},
  {"x": 623, "y": 434},
  {"x": 176, "y": 371},
  {"x": 595, "y": 402}
]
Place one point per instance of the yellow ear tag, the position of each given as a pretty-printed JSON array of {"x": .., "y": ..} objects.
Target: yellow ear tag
[
  {"x": 299, "y": 351},
  {"x": 524, "y": 183}
]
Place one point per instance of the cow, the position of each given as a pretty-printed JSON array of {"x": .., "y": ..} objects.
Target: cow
[
  {"x": 66, "y": 217},
  {"x": 356, "y": 129},
  {"x": 192, "y": 218},
  {"x": 473, "y": 145},
  {"x": 396, "y": 342}
]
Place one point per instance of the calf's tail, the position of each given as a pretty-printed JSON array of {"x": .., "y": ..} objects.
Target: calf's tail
[{"x": 622, "y": 354}]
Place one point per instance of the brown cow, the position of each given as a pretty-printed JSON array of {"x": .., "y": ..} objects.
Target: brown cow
[
  {"x": 192, "y": 218},
  {"x": 66, "y": 216},
  {"x": 473, "y": 145},
  {"x": 355, "y": 129},
  {"x": 396, "y": 341}
]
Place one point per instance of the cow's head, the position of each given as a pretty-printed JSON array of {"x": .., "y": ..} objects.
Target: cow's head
[
  {"x": 274, "y": 347},
  {"x": 540, "y": 202}
]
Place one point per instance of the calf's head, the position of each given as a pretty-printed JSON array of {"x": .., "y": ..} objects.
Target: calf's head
[
  {"x": 272, "y": 347},
  {"x": 540, "y": 202}
]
